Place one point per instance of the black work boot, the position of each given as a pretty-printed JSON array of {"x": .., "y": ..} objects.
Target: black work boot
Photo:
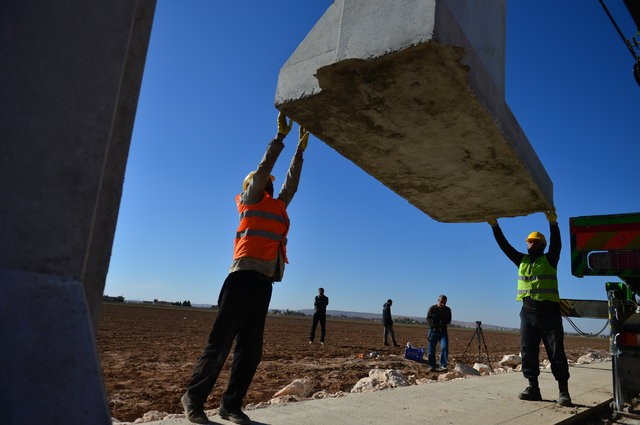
[
  {"x": 564, "y": 399},
  {"x": 235, "y": 416},
  {"x": 194, "y": 412},
  {"x": 532, "y": 392}
]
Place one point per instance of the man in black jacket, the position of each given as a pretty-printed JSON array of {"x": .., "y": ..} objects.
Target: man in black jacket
[
  {"x": 387, "y": 321},
  {"x": 438, "y": 317},
  {"x": 319, "y": 315}
]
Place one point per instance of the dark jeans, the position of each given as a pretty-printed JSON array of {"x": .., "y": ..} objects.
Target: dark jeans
[
  {"x": 322, "y": 318},
  {"x": 243, "y": 305},
  {"x": 546, "y": 326},
  {"x": 388, "y": 330}
]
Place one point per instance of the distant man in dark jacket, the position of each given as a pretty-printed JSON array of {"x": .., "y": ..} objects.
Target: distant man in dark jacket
[
  {"x": 387, "y": 321},
  {"x": 438, "y": 317},
  {"x": 319, "y": 315}
]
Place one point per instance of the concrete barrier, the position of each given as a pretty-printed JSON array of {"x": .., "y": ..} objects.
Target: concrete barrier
[{"x": 412, "y": 91}]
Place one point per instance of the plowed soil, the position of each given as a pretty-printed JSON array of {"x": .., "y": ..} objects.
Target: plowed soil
[{"x": 148, "y": 353}]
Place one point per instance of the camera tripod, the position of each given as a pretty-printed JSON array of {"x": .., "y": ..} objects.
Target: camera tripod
[{"x": 478, "y": 333}]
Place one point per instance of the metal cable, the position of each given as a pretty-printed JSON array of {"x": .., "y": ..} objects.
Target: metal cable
[{"x": 581, "y": 332}]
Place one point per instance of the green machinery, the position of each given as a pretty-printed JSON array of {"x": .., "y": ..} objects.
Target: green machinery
[{"x": 609, "y": 245}]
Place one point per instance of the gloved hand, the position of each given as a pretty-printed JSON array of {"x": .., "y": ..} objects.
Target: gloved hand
[
  {"x": 552, "y": 217},
  {"x": 283, "y": 127},
  {"x": 304, "y": 138},
  {"x": 493, "y": 222}
]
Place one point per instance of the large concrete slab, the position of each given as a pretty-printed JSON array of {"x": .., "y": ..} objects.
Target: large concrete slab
[
  {"x": 412, "y": 91},
  {"x": 480, "y": 400}
]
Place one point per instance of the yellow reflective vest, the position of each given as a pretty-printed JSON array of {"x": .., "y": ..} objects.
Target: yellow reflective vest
[{"x": 537, "y": 280}]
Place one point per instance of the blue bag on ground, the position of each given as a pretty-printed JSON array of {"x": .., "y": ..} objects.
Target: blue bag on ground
[{"x": 413, "y": 353}]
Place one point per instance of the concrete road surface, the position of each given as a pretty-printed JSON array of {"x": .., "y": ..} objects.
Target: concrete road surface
[{"x": 473, "y": 401}]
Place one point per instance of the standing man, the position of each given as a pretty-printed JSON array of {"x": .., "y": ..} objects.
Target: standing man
[
  {"x": 319, "y": 315},
  {"x": 387, "y": 321},
  {"x": 438, "y": 317},
  {"x": 540, "y": 317},
  {"x": 259, "y": 259}
]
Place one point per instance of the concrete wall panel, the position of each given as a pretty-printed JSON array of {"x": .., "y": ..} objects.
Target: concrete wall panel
[{"x": 70, "y": 74}]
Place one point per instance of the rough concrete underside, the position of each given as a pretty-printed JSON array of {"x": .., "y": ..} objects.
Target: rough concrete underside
[{"x": 413, "y": 120}]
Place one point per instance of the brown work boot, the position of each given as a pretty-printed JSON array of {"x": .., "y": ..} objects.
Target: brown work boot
[{"x": 531, "y": 394}]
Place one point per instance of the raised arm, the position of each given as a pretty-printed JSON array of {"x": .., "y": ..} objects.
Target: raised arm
[
  {"x": 555, "y": 242},
  {"x": 290, "y": 185},
  {"x": 255, "y": 189},
  {"x": 514, "y": 255}
]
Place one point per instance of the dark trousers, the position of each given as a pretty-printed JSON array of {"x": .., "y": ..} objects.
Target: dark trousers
[
  {"x": 388, "y": 331},
  {"x": 243, "y": 305},
  {"x": 546, "y": 326},
  {"x": 322, "y": 318}
]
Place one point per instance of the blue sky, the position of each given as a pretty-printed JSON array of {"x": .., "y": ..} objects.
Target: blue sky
[{"x": 206, "y": 114}]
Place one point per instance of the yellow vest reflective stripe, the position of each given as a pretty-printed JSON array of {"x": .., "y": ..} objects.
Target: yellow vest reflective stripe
[{"x": 538, "y": 280}]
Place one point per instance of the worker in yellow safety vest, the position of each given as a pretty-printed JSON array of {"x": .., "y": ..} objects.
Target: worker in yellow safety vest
[
  {"x": 259, "y": 259},
  {"x": 540, "y": 318}
]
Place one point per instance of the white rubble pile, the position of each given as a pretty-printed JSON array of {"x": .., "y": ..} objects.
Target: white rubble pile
[
  {"x": 482, "y": 368},
  {"x": 298, "y": 388},
  {"x": 510, "y": 360},
  {"x": 380, "y": 379},
  {"x": 325, "y": 394},
  {"x": 594, "y": 357},
  {"x": 448, "y": 376}
]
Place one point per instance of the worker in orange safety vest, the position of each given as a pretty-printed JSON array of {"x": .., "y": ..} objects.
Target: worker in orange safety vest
[{"x": 259, "y": 259}]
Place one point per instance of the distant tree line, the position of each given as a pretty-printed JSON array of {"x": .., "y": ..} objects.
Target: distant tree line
[
  {"x": 186, "y": 303},
  {"x": 118, "y": 299},
  {"x": 288, "y": 312}
]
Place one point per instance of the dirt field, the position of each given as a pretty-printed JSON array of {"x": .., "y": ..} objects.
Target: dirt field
[{"x": 148, "y": 353}]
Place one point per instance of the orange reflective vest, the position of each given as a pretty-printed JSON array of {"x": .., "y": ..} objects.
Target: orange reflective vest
[{"x": 262, "y": 231}]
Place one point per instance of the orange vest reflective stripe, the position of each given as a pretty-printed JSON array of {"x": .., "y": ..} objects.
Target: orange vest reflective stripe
[{"x": 262, "y": 231}]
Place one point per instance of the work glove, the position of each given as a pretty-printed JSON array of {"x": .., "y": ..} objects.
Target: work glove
[
  {"x": 283, "y": 127},
  {"x": 304, "y": 139},
  {"x": 493, "y": 222},
  {"x": 552, "y": 217}
]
